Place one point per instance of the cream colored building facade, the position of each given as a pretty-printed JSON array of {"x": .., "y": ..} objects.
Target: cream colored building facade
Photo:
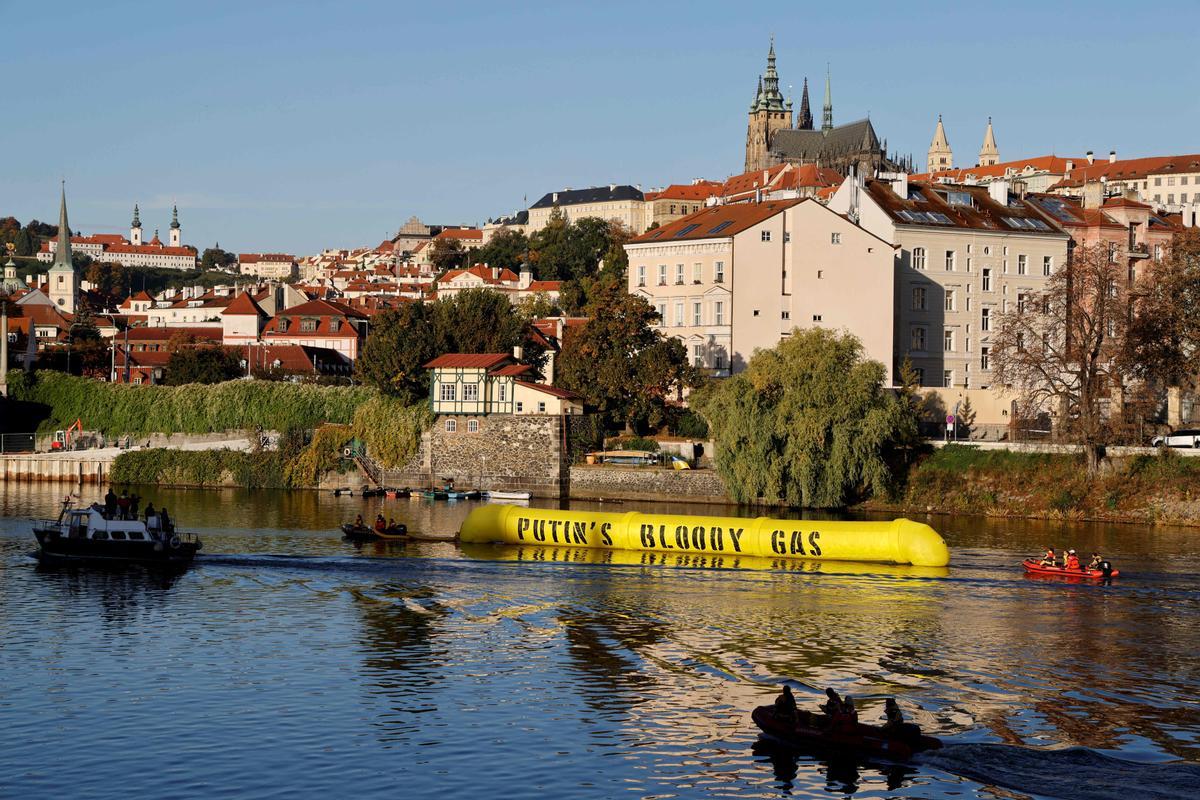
[
  {"x": 729, "y": 280},
  {"x": 964, "y": 255},
  {"x": 619, "y": 203}
]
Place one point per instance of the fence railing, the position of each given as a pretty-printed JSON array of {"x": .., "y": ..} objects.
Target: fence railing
[{"x": 17, "y": 443}]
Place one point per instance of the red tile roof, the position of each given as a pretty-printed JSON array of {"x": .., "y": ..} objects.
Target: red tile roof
[
  {"x": 276, "y": 257},
  {"x": 550, "y": 390},
  {"x": 142, "y": 335},
  {"x": 716, "y": 222},
  {"x": 322, "y": 308},
  {"x": 1055, "y": 165},
  {"x": 460, "y": 233},
  {"x": 468, "y": 360},
  {"x": 243, "y": 305},
  {"x": 983, "y": 213},
  {"x": 483, "y": 273},
  {"x": 545, "y": 286},
  {"x": 1128, "y": 169},
  {"x": 701, "y": 190},
  {"x": 512, "y": 370}
]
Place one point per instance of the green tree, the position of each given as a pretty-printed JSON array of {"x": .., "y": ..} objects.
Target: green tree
[
  {"x": 447, "y": 254},
  {"x": 549, "y": 248},
  {"x": 507, "y": 249},
  {"x": 483, "y": 321},
  {"x": 202, "y": 364},
  {"x": 24, "y": 243},
  {"x": 400, "y": 343},
  {"x": 966, "y": 418},
  {"x": 808, "y": 422},
  {"x": 216, "y": 258},
  {"x": 619, "y": 363}
]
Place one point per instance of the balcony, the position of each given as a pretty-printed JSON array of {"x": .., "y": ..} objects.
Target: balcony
[{"x": 1139, "y": 250}]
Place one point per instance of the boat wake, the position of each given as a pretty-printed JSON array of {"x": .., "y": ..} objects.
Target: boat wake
[{"x": 1074, "y": 773}]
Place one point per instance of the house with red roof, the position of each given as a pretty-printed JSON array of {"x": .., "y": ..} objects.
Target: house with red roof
[
  {"x": 319, "y": 323},
  {"x": 475, "y": 386},
  {"x": 279, "y": 266},
  {"x": 481, "y": 276}
]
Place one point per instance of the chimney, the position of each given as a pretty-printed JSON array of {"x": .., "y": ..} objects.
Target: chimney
[
  {"x": 518, "y": 352},
  {"x": 1070, "y": 166},
  {"x": 554, "y": 197},
  {"x": 1112, "y": 156},
  {"x": 612, "y": 187},
  {"x": 495, "y": 273},
  {"x": 1091, "y": 157},
  {"x": 998, "y": 191}
]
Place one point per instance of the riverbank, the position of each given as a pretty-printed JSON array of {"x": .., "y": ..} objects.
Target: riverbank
[{"x": 959, "y": 479}]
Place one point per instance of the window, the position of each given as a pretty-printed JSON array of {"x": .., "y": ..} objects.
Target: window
[
  {"x": 835, "y": 238},
  {"x": 502, "y": 393},
  {"x": 949, "y": 261},
  {"x": 641, "y": 275},
  {"x": 449, "y": 392},
  {"x": 1183, "y": 180},
  {"x": 697, "y": 355},
  {"x": 661, "y": 308},
  {"x": 816, "y": 317},
  {"x": 820, "y": 274},
  {"x": 719, "y": 272},
  {"x": 918, "y": 258},
  {"x": 918, "y": 298},
  {"x": 520, "y": 406},
  {"x": 1004, "y": 266},
  {"x": 1158, "y": 181},
  {"x": 918, "y": 339},
  {"x": 984, "y": 361},
  {"x": 1047, "y": 264},
  {"x": 1021, "y": 303},
  {"x": 1112, "y": 252},
  {"x": 787, "y": 236},
  {"x": 697, "y": 273},
  {"x": 718, "y": 313},
  {"x": 696, "y": 308},
  {"x": 1171, "y": 180},
  {"x": 472, "y": 426},
  {"x": 948, "y": 341},
  {"x": 985, "y": 319},
  {"x": 920, "y": 373},
  {"x": 471, "y": 392},
  {"x": 786, "y": 314},
  {"x": 678, "y": 314},
  {"x": 766, "y": 236},
  {"x": 678, "y": 274},
  {"x": 947, "y": 378},
  {"x": 541, "y": 406},
  {"x": 1158, "y": 252},
  {"x": 308, "y": 325},
  {"x": 1170, "y": 198},
  {"x": 451, "y": 425},
  {"x": 987, "y": 250},
  {"x": 672, "y": 208},
  {"x": 1022, "y": 264},
  {"x": 949, "y": 306},
  {"x": 987, "y": 280},
  {"x": 662, "y": 274}
]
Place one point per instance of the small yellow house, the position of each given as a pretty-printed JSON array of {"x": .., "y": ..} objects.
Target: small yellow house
[{"x": 493, "y": 383}]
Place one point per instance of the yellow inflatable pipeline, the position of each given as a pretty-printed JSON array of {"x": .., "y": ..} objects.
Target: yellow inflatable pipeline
[{"x": 900, "y": 541}]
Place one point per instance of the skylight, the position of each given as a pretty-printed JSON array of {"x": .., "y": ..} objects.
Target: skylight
[
  {"x": 959, "y": 198},
  {"x": 686, "y": 230},
  {"x": 722, "y": 226}
]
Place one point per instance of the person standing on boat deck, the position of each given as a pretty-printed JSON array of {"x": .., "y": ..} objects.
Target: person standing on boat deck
[
  {"x": 110, "y": 504},
  {"x": 135, "y": 502},
  {"x": 164, "y": 521},
  {"x": 123, "y": 504},
  {"x": 151, "y": 517}
]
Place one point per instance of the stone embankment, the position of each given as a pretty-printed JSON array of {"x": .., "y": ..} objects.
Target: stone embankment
[
  {"x": 647, "y": 483},
  {"x": 92, "y": 466}
]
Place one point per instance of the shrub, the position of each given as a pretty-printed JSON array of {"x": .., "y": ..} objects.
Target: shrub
[
  {"x": 691, "y": 426},
  {"x": 391, "y": 430},
  {"x": 261, "y": 470}
]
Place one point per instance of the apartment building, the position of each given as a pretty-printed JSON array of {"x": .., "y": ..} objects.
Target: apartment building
[
  {"x": 731, "y": 279},
  {"x": 618, "y": 203},
  {"x": 964, "y": 255}
]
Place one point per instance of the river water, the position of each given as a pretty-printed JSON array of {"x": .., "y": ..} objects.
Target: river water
[{"x": 288, "y": 663}]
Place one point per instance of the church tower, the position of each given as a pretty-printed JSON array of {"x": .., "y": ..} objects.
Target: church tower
[
  {"x": 989, "y": 154},
  {"x": 174, "y": 226},
  {"x": 827, "y": 112},
  {"x": 64, "y": 283},
  {"x": 940, "y": 155},
  {"x": 768, "y": 113},
  {"x": 805, "y": 121},
  {"x": 135, "y": 227}
]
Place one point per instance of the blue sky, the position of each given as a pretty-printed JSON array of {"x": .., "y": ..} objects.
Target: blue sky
[{"x": 301, "y": 125}]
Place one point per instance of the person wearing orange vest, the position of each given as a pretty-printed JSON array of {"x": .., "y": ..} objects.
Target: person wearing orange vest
[
  {"x": 1048, "y": 560},
  {"x": 1071, "y": 561}
]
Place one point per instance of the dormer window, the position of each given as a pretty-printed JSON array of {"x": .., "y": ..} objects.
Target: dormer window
[{"x": 308, "y": 325}]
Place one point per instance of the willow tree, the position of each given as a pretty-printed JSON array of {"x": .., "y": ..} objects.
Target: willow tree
[{"x": 808, "y": 423}]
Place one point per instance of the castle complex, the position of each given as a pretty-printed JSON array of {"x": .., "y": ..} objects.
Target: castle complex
[{"x": 771, "y": 138}]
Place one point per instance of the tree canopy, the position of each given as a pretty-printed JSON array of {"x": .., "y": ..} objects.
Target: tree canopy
[
  {"x": 507, "y": 249},
  {"x": 202, "y": 364},
  {"x": 808, "y": 423},
  {"x": 216, "y": 258},
  {"x": 621, "y": 365},
  {"x": 1164, "y": 333}
]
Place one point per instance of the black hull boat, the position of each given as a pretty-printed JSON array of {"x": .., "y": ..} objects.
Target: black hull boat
[
  {"x": 808, "y": 730},
  {"x": 86, "y": 536},
  {"x": 362, "y": 533}
]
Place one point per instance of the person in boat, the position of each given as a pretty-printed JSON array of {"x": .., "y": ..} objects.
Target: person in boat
[
  {"x": 785, "y": 704},
  {"x": 358, "y": 522},
  {"x": 151, "y": 517},
  {"x": 110, "y": 504},
  {"x": 1095, "y": 562},
  {"x": 380, "y": 524},
  {"x": 1048, "y": 560},
  {"x": 391, "y": 525},
  {"x": 893, "y": 716},
  {"x": 164, "y": 521},
  {"x": 123, "y": 504},
  {"x": 833, "y": 705},
  {"x": 1071, "y": 561},
  {"x": 849, "y": 712},
  {"x": 135, "y": 501}
]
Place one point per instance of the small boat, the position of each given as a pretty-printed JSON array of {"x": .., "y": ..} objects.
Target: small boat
[
  {"x": 508, "y": 495},
  {"x": 85, "y": 535},
  {"x": 364, "y": 533},
  {"x": 1034, "y": 568},
  {"x": 394, "y": 493},
  {"x": 462, "y": 494},
  {"x": 343, "y": 490},
  {"x": 368, "y": 491},
  {"x": 434, "y": 494},
  {"x": 625, "y": 457},
  {"x": 811, "y": 730}
]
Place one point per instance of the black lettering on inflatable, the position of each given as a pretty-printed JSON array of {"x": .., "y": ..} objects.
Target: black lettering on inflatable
[
  {"x": 580, "y": 536},
  {"x": 736, "y": 538},
  {"x": 539, "y": 530},
  {"x": 647, "y": 535},
  {"x": 522, "y": 526},
  {"x": 777, "y": 542},
  {"x": 812, "y": 543},
  {"x": 698, "y": 539},
  {"x": 604, "y": 537},
  {"x": 798, "y": 543},
  {"x": 681, "y": 537},
  {"x": 718, "y": 541},
  {"x": 554, "y": 530}
]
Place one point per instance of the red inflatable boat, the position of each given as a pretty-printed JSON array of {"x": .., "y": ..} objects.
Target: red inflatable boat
[
  {"x": 1033, "y": 567},
  {"x": 811, "y": 730}
]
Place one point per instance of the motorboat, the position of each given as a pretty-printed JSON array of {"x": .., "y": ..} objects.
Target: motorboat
[
  {"x": 808, "y": 730},
  {"x": 508, "y": 495},
  {"x": 364, "y": 533},
  {"x": 88, "y": 535}
]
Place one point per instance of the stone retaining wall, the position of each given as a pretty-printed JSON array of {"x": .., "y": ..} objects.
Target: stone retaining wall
[
  {"x": 647, "y": 483},
  {"x": 57, "y": 468}
]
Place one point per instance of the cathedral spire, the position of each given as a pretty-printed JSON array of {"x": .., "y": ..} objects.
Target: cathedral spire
[
  {"x": 989, "y": 154},
  {"x": 137, "y": 222},
  {"x": 940, "y": 155},
  {"x": 174, "y": 216},
  {"x": 805, "y": 121},
  {"x": 62, "y": 253},
  {"x": 827, "y": 114},
  {"x": 772, "y": 98}
]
